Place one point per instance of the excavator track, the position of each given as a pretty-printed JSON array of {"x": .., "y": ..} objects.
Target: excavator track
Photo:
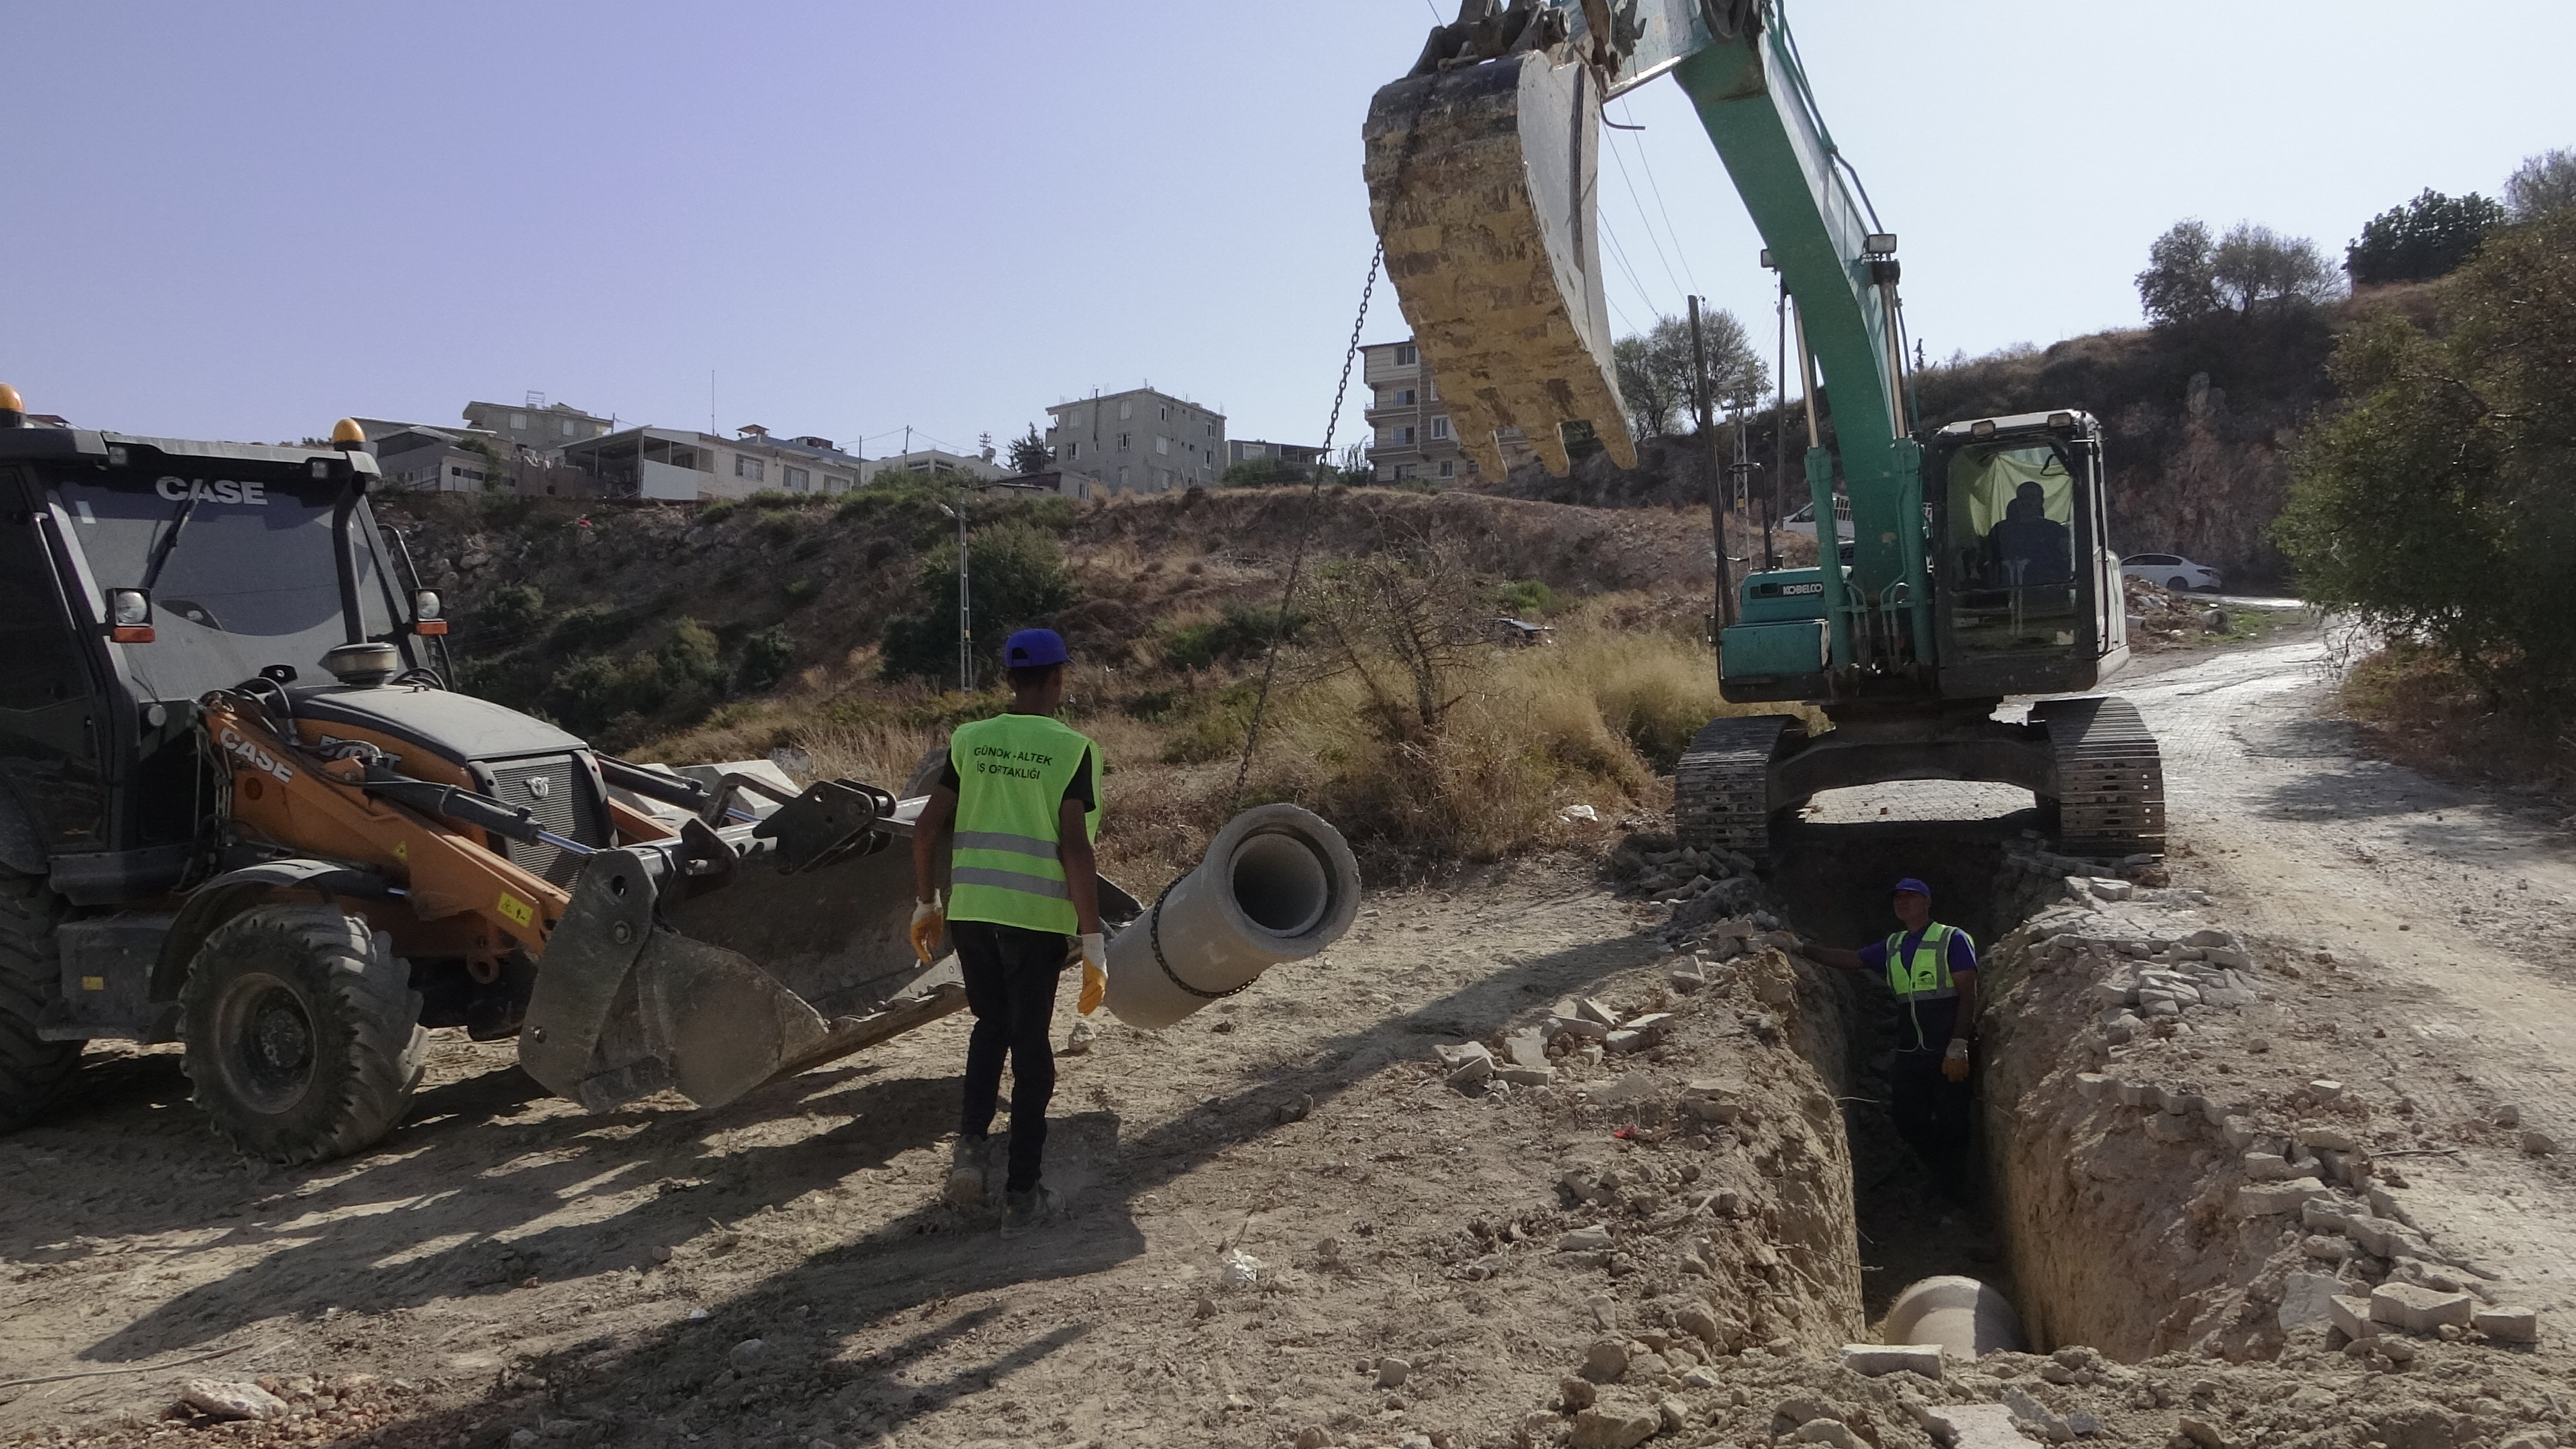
[
  {"x": 2110, "y": 777},
  {"x": 1722, "y": 787}
]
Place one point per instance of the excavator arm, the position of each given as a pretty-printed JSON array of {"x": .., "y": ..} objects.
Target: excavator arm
[{"x": 1481, "y": 171}]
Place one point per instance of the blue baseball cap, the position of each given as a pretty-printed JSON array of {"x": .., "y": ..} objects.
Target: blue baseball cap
[
  {"x": 1911, "y": 884},
  {"x": 1034, "y": 649}
]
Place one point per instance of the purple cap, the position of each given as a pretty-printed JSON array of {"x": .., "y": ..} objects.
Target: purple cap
[
  {"x": 1034, "y": 649},
  {"x": 1911, "y": 884}
]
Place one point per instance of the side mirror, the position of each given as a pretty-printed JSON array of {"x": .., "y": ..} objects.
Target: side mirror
[
  {"x": 426, "y": 613},
  {"x": 129, "y": 616}
]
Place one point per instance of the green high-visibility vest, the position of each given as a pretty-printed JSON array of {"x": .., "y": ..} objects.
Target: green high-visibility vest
[
  {"x": 1922, "y": 974},
  {"x": 1012, "y": 772}
]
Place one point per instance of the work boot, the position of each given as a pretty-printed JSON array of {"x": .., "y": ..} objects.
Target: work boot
[
  {"x": 968, "y": 1165},
  {"x": 1024, "y": 1210}
]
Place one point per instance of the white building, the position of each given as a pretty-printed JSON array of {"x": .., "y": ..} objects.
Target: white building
[
  {"x": 1139, "y": 441},
  {"x": 937, "y": 461},
  {"x": 683, "y": 464}
]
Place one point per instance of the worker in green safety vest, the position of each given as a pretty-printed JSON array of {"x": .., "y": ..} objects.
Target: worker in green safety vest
[
  {"x": 1931, "y": 970},
  {"x": 1020, "y": 800}
]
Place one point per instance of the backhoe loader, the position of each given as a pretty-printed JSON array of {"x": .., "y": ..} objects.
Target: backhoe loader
[{"x": 241, "y": 809}]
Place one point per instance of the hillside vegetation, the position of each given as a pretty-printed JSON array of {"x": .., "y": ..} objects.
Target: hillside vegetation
[
  {"x": 2201, "y": 417},
  {"x": 804, "y": 626}
]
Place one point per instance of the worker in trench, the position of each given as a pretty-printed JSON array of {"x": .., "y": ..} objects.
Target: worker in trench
[
  {"x": 1020, "y": 803},
  {"x": 1932, "y": 970}
]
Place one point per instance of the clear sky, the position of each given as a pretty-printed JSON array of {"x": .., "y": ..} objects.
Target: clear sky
[{"x": 244, "y": 220}]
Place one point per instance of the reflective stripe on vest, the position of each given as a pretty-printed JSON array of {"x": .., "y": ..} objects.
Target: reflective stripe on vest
[
  {"x": 1922, "y": 974},
  {"x": 1012, "y": 772}
]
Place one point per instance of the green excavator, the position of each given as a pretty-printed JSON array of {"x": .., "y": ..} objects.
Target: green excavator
[{"x": 1979, "y": 564}]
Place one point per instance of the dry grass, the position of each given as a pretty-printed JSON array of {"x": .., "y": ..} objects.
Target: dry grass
[
  {"x": 2415, "y": 707},
  {"x": 1596, "y": 719}
]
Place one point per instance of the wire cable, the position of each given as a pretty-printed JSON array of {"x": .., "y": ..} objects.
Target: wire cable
[
  {"x": 1646, "y": 158},
  {"x": 1639, "y": 202}
]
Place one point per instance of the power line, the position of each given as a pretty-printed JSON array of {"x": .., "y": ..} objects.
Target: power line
[
  {"x": 1619, "y": 254},
  {"x": 1639, "y": 203},
  {"x": 1646, "y": 159}
]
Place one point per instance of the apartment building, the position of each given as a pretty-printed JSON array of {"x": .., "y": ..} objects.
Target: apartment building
[
  {"x": 684, "y": 464},
  {"x": 1409, "y": 430},
  {"x": 537, "y": 426},
  {"x": 1138, "y": 441}
]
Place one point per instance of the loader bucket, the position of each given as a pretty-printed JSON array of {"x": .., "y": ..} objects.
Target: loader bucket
[
  {"x": 1481, "y": 185},
  {"x": 712, "y": 995}
]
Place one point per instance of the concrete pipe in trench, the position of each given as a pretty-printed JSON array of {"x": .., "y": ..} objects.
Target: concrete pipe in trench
[
  {"x": 1278, "y": 884},
  {"x": 1968, "y": 1319}
]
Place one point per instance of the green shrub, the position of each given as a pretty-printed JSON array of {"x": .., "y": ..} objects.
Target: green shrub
[
  {"x": 1017, "y": 580},
  {"x": 717, "y": 512},
  {"x": 2438, "y": 503},
  {"x": 766, "y": 658},
  {"x": 1527, "y": 597},
  {"x": 592, "y": 626},
  {"x": 1241, "y": 632},
  {"x": 800, "y": 592},
  {"x": 509, "y": 611}
]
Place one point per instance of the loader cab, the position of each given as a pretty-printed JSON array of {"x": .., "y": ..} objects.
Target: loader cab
[
  {"x": 138, "y": 574},
  {"x": 2026, "y": 591}
]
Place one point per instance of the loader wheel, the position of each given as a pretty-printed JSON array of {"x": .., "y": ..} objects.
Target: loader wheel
[
  {"x": 304, "y": 1036},
  {"x": 33, "y": 1071}
]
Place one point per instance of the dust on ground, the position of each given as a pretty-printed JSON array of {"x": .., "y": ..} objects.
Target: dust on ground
[{"x": 503, "y": 1265}]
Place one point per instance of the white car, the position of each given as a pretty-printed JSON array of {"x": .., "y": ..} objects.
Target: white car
[{"x": 2173, "y": 571}]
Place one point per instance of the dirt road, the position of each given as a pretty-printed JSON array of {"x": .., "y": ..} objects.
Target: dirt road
[{"x": 503, "y": 1264}]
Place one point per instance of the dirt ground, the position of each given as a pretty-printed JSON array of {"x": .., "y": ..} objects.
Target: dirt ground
[{"x": 504, "y": 1269}]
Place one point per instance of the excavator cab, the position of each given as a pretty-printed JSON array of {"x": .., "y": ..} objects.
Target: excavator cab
[{"x": 2025, "y": 587}]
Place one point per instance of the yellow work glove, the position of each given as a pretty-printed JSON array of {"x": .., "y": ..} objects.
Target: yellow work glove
[
  {"x": 1095, "y": 973},
  {"x": 928, "y": 920},
  {"x": 1954, "y": 1063}
]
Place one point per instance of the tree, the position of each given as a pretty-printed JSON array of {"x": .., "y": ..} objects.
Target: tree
[
  {"x": 2253, "y": 265},
  {"x": 1016, "y": 579},
  {"x": 1029, "y": 453},
  {"x": 2426, "y": 238},
  {"x": 2438, "y": 502},
  {"x": 2541, "y": 185},
  {"x": 1655, "y": 370},
  {"x": 1261, "y": 473},
  {"x": 2181, "y": 281}
]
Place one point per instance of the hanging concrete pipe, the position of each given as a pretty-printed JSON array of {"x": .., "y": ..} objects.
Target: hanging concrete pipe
[
  {"x": 1967, "y": 1318},
  {"x": 1278, "y": 884}
]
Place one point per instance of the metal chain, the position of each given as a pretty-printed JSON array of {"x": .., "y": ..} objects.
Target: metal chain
[
  {"x": 1154, "y": 936},
  {"x": 1296, "y": 560}
]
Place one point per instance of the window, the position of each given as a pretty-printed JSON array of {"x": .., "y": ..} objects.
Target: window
[
  {"x": 565, "y": 427},
  {"x": 1448, "y": 469},
  {"x": 1254, "y": 450},
  {"x": 1403, "y": 471},
  {"x": 751, "y": 468},
  {"x": 1126, "y": 410},
  {"x": 1163, "y": 414},
  {"x": 1122, "y": 475},
  {"x": 1072, "y": 451},
  {"x": 1122, "y": 442},
  {"x": 1162, "y": 444},
  {"x": 835, "y": 485},
  {"x": 797, "y": 479},
  {"x": 1404, "y": 397},
  {"x": 1405, "y": 356},
  {"x": 1439, "y": 427},
  {"x": 1404, "y": 435},
  {"x": 518, "y": 420}
]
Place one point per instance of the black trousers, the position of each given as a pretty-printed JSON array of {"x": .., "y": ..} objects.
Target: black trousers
[
  {"x": 1010, "y": 986},
  {"x": 1931, "y": 1113}
]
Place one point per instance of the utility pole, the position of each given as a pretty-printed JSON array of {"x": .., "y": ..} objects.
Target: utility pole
[
  {"x": 1724, "y": 614},
  {"x": 965, "y": 608}
]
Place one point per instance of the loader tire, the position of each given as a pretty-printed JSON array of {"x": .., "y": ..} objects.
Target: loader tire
[
  {"x": 33, "y": 1072},
  {"x": 304, "y": 1036}
]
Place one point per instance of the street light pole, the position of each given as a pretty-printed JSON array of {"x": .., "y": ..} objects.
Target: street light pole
[{"x": 965, "y": 608}]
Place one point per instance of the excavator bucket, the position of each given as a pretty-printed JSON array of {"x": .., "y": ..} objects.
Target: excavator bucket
[{"x": 1481, "y": 185}]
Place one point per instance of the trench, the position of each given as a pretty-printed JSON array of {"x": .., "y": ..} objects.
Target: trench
[{"x": 1913, "y": 1219}]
